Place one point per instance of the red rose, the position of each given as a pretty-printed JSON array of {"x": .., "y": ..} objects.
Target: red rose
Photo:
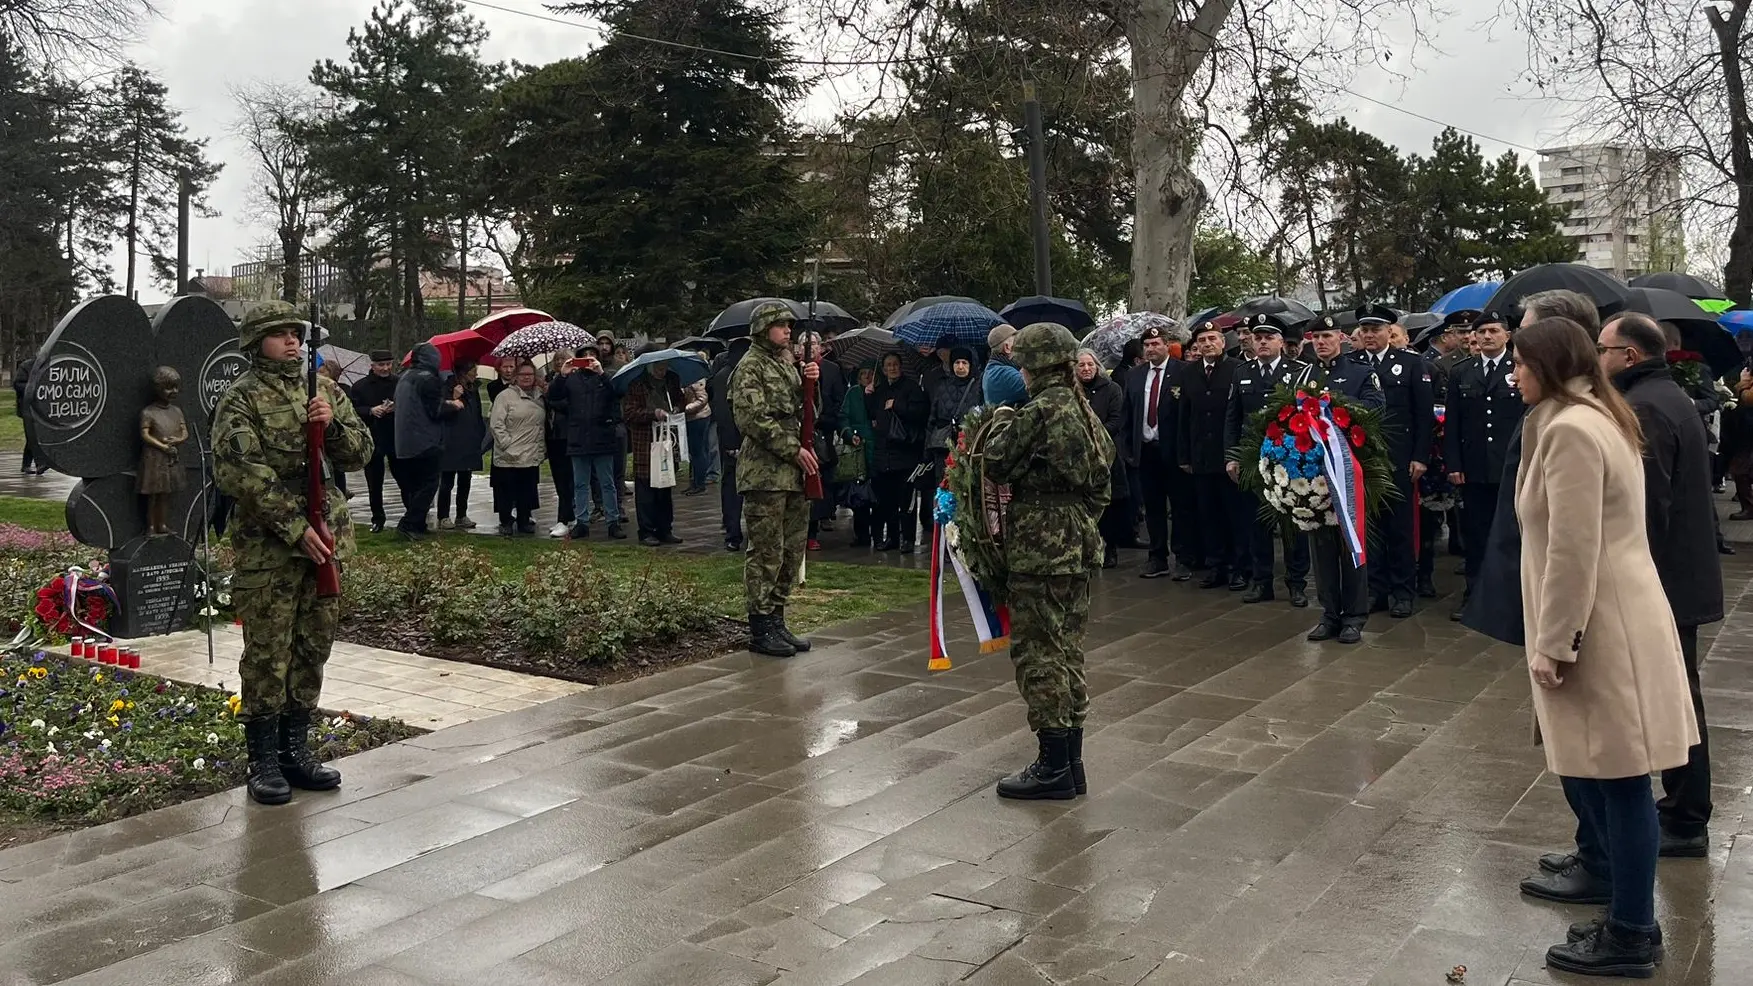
[
  {"x": 1357, "y": 436},
  {"x": 1341, "y": 417},
  {"x": 1273, "y": 432}
]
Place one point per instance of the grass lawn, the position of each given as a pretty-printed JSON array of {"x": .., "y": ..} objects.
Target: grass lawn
[
  {"x": 835, "y": 591},
  {"x": 38, "y": 515},
  {"x": 11, "y": 433}
]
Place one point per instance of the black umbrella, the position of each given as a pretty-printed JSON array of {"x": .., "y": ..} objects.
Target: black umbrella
[
  {"x": 733, "y": 322},
  {"x": 1039, "y": 308},
  {"x": 829, "y": 318},
  {"x": 868, "y": 345},
  {"x": 1699, "y": 331},
  {"x": 912, "y": 306},
  {"x": 1600, "y": 287},
  {"x": 1267, "y": 304},
  {"x": 1415, "y": 322},
  {"x": 704, "y": 344},
  {"x": 1692, "y": 287}
]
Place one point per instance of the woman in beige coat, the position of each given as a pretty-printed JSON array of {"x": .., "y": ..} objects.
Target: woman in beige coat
[
  {"x": 519, "y": 444},
  {"x": 1610, "y": 694}
]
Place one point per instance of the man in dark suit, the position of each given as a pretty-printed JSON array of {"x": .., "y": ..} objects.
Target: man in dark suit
[
  {"x": 1204, "y": 405},
  {"x": 1408, "y": 418},
  {"x": 1149, "y": 445},
  {"x": 1340, "y": 584},
  {"x": 1483, "y": 410},
  {"x": 1255, "y": 384}
]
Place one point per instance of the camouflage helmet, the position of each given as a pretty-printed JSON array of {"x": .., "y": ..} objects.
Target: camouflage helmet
[
  {"x": 1043, "y": 345},
  {"x": 768, "y": 314},
  {"x": 264, "y": 320}
]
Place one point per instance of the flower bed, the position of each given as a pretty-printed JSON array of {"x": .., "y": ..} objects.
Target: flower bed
[{"x": 83, "y": 744}]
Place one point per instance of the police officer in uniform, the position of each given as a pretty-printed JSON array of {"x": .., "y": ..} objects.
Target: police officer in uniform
[
  {"x": 1342, "y": 587},
  {"x": 1254, "y": 386},
  {"x": 1408, "y": 417},
  {"x": 1483, "y": 410}
]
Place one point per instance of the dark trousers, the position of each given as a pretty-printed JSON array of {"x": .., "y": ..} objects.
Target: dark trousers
[
  {"x": 1390, "y": 545},
  {"x": 1215, "y": 507},
  {"x": 1116, "y": 523},
  {"x": 1457, "y": 541},
  {"x": 560, "y": 470},
  {"x": 891, "y": 515},
  {"x": 1429, "y": 523},
  {"x": 1617, "y": 840},
  {"x": 515, "y": 493},
  {"x": 1342, "y": 587},
  {"x": 1156, "y": 479},
  {"x": 657, "y": 509},
  {"x": 1685, "y": 805},
  {"x": 461, "y": 481},
  {"x": 30, "y": 447},
  {"x": 730, "y": 502},
  {"x": 1478, "y": 507},
  {"x": 1263, "y": 538},
  {"x": 374, "y": 470},
  {"x": 699, "y": 455},
  {"x": 418, "y": 479}
]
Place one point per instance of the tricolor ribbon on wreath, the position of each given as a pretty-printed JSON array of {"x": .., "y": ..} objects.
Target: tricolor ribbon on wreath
[
  {"x": 1344, "y": 480},
  {"x": 991, "y": 621}
]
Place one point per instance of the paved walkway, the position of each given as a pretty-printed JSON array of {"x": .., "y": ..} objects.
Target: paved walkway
[{"x": 1263, "y": 811}]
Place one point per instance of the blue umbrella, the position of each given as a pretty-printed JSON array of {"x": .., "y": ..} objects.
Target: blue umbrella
[
  {"x": 688, "y": 368},
  {"x": 959, "y": 320},
  {"x": 1737, "y": 322},
  {"x": 1027, "y": 311},
  {"x": 1466, "y": 298}
]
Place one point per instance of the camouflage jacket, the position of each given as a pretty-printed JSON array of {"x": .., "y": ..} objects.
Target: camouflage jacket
[
  {"x": 766, "y": 399},
  {"x": 1055, "y": 456},
  {"x": 259, "y": 459}
]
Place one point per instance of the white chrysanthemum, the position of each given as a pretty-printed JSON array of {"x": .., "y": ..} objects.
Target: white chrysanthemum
[
  {"x": 1273, "y": 500},
  {"x": 952, "y": 534},
  {"x": 1266, "y": 470},
  {"x": 1319, "y": 502},
  {"x": 1280, "y": 476},
  {"x": 1319, "y": 485},
  {"x": 1331, "y": 519},
  {"x": 1306, "y": 525},
  {"x": 1302, "y": 513},
  {"x": 1299, "y": 486}
]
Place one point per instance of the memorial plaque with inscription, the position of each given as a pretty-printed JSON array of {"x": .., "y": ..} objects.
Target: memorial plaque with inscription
[
  {"x": 107, "y": 513},
  {"x": 194, "y": 335},
  {"x": 91, "y": 379},
  {"x": 155, "y": 579}
]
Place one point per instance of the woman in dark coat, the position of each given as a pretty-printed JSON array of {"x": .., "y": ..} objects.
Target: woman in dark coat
[
  {"x": 1109, "y": 402},
  {"x": 465, "y": 438},
  {"x": 656, "y": 396},
  {"x": 898, "y": 414},
  {"x": 957, "y": 393}
]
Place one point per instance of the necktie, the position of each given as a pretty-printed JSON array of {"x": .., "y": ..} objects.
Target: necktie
[
  {"x": 1208, "y": 367},
  {"x": 1156, "y": 383},
  {"x": 1265, "y": 369},
  {"x": 1490, "y": 368}
]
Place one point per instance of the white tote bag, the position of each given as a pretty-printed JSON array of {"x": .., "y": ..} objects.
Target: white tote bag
[{"x": 663, "y": 457}]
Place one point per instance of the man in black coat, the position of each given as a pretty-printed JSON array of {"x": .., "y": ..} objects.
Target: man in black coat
[
  {"x": 1483, "y": 410},
  {"x": 1150, "y": 445},
  {"x": 1679, "y": 513},
  {"x": 1205, "y": 397},
  {"x": 1408, "y": 418},
  {"x": 730, "y": 502},
  {"x": 374, "y": 398},
  {"x": 1341, "y": 585},
  {"x": 591, "y": 412},
  {"x": 1255, "y": 384}
]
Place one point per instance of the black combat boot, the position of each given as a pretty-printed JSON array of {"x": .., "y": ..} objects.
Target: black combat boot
[
  {"x": 1614, "y": 950},
  {"x": 764, "y": 637},
  {"x": 298, "y": 764},
  {"x": 266, "y": 784},
  {"x": 1049, "y": 777},
  {"x": 1074, "y": 749},
  {"x": 797, "y": 643}
]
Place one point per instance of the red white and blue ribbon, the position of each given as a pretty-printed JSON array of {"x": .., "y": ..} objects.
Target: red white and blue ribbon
[
  {"x": 991, "y": 622},
  {"x": 76, "y": 582},
  {"x": 1344, "y": 481}
]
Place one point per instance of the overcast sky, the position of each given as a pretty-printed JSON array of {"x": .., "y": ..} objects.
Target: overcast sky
[{"x": 202, "y": 48}]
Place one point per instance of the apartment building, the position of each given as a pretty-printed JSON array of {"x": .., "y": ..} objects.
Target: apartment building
[{"x": 1622, "y": 204}]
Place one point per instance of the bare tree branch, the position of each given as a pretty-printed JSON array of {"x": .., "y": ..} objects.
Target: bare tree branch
[{"x": 56, "y": 31}]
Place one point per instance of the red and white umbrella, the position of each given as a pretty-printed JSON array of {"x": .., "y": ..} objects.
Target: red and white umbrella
[{"x": 498, "y": 325}]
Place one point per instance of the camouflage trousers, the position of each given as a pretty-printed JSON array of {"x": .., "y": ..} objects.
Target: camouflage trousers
[
  {"x": 1047, "y": 618},
  {"x": 287, "y": 633},
  {"x": 775, "y": 525}
]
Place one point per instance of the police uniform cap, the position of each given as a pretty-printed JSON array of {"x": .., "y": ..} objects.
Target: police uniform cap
[
  {"x": 1376, "y": 315},
  {"x": 1462, "y": 319},
  {"x": 264, "y": 320},
  {"x": 381, "y": 356},
  {"x": 1044, "y": 344},
  {"x": 1269, "y": 323},
  {"x": 1490, "y": 318},
  {"x": 1325, "y": 323}
]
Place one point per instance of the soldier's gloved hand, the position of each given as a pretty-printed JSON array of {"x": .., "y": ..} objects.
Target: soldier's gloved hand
[
  {"x": 313, "y": 547},
  {"x": 320, "y": 411}
]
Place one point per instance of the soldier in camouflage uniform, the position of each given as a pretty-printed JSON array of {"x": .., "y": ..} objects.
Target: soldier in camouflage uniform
[
  {"x": 766, "y": 399},
  {"x": 1054, "y": 454},
  {"x": 259, "y": 458}
]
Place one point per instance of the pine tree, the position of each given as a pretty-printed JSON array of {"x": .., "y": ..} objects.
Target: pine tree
[{"x": 36, "y": 284}]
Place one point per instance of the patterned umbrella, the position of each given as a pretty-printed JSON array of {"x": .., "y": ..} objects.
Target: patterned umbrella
[
  {"x": 867, "y": 345},
  {"x": 957, "y": 320},
  {"x": 354, "y": 365},
  {"x": 497, "y": 325},
  {"x": 1108, "y": 340},
  {"x": 542, "y": 338},
  {"x": 910, "y": 307}
]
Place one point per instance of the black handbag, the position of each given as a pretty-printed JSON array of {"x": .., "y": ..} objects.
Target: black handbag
[{"x": 898, "y": 433}]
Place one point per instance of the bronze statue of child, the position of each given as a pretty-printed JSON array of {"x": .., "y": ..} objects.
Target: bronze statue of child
[{"x": 162, "y": 429}]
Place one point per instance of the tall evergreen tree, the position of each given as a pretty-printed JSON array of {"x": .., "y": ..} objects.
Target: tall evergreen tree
[
  {"x": 36, "y": 284},
  {"x": 1518, "y": 227}
]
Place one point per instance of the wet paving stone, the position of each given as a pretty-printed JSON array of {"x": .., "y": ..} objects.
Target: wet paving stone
[{"x": 1262, "y": 811}]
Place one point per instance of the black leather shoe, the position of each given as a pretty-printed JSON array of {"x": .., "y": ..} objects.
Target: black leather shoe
[
  {"x": 1571, "y": 885},
  {"x": 1216, "y": 580},
  {"x": 732, "y": 544},
  {"x": 1614, "y": 950},
  {"x": 377, "y": 527},
  {"x": 1182, "y": 573},
  {"x": 1722, "y": 548},
  {"x": 1299, "y": 598},
  {"x": 1238, "y": 583},
  {"x": 1592, "y": 927},
  {"x": 1350, "y": 635},
  {"x": 1323, "y": 631},
  {"x": 266, "y": 784},
  {"x": 1257, "y": 594},
  {"x": 1456, "y": 613},
  {"x": 1154, "y": 570},
  {"x": 616, "y": 533},
  {"x": 298, "y": 764},
  {"x": 1680, "y": 847},
  {"x": 1049, "y": 777},
  {"x": 1110, "y": 557},
  {"x": 1426, "y": 588},
  {"x": 1400, "y": 609},
  {"x": 1558, "y": 862},
  {"x": 1074, "y": 750}
]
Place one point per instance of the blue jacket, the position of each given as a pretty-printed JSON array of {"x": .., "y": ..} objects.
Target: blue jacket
[
  {"x": 420, "y": 407},
  {"x": 1002, "y": 383}
]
